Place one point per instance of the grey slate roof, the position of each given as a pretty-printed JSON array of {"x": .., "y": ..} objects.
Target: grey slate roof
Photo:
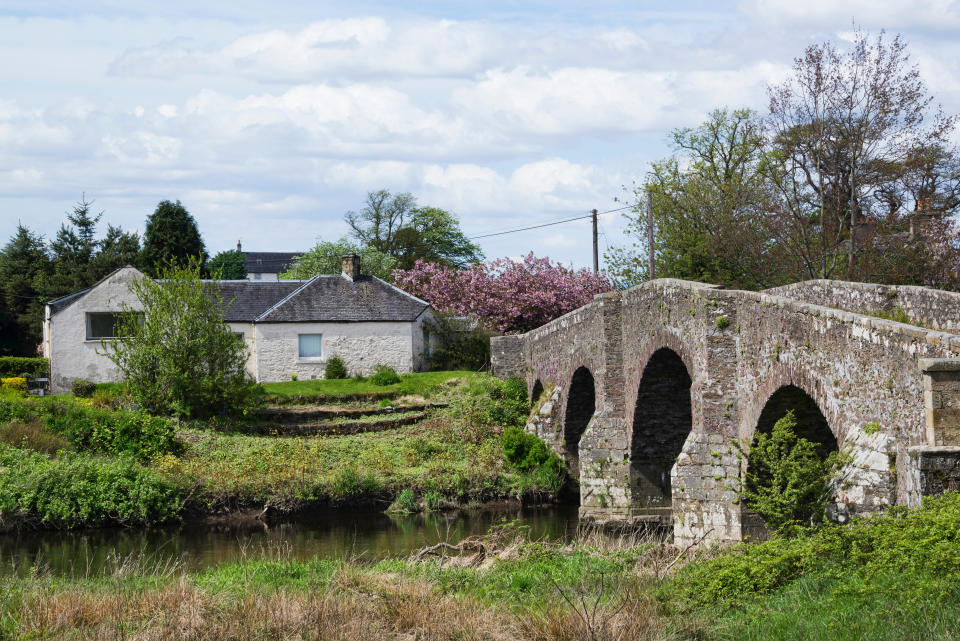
[
  {"x": 269, "y": 262},
  {"x": 252, "y": 298},
  {"x": 335, "y": 298},
  {"x": 64, "y": 301}
]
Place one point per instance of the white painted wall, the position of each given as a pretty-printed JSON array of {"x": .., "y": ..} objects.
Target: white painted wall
[
  {"x": 71, "y": 354},
  {"x": 264, "y": 277},
  {"x": 360, "y": 345},
  {"x": 249, "y": 339}
]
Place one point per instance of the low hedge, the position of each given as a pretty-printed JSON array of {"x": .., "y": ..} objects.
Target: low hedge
[{"x": 12, "y": 366}]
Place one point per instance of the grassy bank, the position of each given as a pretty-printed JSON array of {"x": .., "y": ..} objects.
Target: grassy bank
[
  {"x": 352, "y": 389},
  {"x": 65, "y": 463},
  {"x": 890, "y": 577}
]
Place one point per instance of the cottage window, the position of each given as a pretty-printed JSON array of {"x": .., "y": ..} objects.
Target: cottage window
[
  {"x": 102, "y": 325},
  {"x": 256, "y": 276},
  {"x": 310, "y": 345}
]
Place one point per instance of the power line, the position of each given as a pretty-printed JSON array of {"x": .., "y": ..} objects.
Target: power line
[{"x": 555, "y": 222}]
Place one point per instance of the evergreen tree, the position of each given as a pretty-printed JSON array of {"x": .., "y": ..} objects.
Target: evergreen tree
[
  {"x": 171, "y": 237},
  {"x": 228, "y": 265},
  {"x": 117, "y": 249},
  {"x": 24, "y": 262},
  {"x": 72, "y": 253}
]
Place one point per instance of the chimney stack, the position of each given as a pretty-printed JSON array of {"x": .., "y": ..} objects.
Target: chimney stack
[
  {"x": 351, "y": 266},
  {"x": 239, "y": 249}
]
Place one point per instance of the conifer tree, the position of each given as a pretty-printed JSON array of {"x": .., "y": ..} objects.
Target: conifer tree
[{"x": 171, "y": 238}]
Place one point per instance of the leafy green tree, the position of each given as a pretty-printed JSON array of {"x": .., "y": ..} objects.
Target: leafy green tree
[
  {"x": 24, "y": 262},
  {"x": 395, "y": 226},
  {"x": 178, "y": 356},
  {"x": 171, "y": 236},
  {"x": 787, "y": 481},
  {"x": 711, "y": 204},
  {"x": 433, "y": 235},
  {"x": 324, "y": 258},
  {"x": 228, "y": 265}
]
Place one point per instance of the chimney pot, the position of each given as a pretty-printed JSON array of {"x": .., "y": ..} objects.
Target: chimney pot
[
  {"x": 351, "y": 266},
  {"x": 239, "y": 248}
]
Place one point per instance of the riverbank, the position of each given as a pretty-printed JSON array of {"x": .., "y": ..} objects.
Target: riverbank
[
  {"x": 889, "y": 577},
  {"x": 67, "y": 463}
]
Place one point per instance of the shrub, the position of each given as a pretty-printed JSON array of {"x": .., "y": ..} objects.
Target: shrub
[
  {"x": 384, "y": 375},
  {"x": 16, "y": 383},
  {"x": 528, "y": 453},
  {"x": 134, "y": 433},
  {"x": 79, "y": 490},
  {"x": 433, "y": 501},
  {"x": 335, "y": 368},
  {"x": 82, "y": 388},
  {"x": 722, "y": 322},
  {"x": 26, "y": 367},
  {"x": 179, "y": 357},
  {"x": 405, "y": 503},
  {"x": 786, "y": 480}
]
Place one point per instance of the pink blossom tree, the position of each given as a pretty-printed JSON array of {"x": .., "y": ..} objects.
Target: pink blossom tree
[{"x": 504, "y": 295}]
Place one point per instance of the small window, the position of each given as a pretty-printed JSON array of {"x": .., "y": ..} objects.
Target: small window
[
  {"x": 239, "y": 336},
  {"x": 256, "y": 276},
  {"x": 310, "y": 345},
  {"x": 426, "y": 343},
  {"x": 104, "y": 325}
]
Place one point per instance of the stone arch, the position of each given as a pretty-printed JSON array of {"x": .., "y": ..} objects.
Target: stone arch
[
  {"x": 811, "y": 422},
  {"x": 662, "y": 422},
  {"x": 536, "y": 392},
  {"x": 580, "y": 407}
]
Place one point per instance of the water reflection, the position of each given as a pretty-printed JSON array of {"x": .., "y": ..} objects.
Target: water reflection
[{"x": 331, "y": 534}]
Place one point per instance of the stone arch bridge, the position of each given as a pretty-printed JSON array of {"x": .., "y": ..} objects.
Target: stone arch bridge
[{"x": 645, "y": 392}]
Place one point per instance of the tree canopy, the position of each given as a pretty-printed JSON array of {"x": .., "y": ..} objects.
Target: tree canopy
[
  {"x": 229, "y": 265},
  {"x": 823, "y": 186},
  {"x": 171, "y": 236},
  {"x": 324, "y": 258}
]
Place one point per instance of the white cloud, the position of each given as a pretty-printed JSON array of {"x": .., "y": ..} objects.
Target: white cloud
[{"x": 875, "y": 14}]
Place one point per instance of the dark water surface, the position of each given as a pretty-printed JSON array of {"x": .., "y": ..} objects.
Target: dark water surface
[{"x": 334, "y": 534}]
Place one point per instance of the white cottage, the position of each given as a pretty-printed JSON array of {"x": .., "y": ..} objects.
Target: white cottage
[{"x": 290, "y": 327}]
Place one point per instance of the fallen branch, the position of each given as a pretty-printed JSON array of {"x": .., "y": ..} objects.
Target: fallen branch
[{"x": 682, "y": 552}]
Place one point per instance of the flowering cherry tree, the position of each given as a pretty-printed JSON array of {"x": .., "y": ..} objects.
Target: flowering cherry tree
[{"x": 504, "y": 295}]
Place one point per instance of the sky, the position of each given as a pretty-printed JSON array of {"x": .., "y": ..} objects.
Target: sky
[{"x": 269, "y": 121}]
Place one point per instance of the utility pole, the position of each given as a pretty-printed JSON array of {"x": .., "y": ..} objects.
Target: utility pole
[
  {"x": 653, "y": 273},
  {"x": 596, "y": 256}
]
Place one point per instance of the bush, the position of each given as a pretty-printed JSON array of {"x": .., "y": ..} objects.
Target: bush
[
  {"x": 335, "y": 368},
  {"x": 786, "y": 480},
  {"x": 433, "y": 501},
  {"x": 384, "y": 375},
  {"x": 78, "y": 490},
  {"x": 179, "y": 357},
  {"x": 32, "y": 435},
  {"x": 134, "y": 433},
  {"x": 528, "y": 453},
  {"x": 16, "y": 383},
  {"x": 23, "y": 366},
  {"x": 405, "y": 503},
  {"x": 82, "y": 388}
]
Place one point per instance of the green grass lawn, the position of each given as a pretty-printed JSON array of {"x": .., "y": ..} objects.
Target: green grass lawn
[{"x": 419, "y": 384}]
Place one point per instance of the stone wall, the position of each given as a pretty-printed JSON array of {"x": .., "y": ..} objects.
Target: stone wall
[
  {"x": 730, "y": 352},
  {"x": 925, "y": 306}
]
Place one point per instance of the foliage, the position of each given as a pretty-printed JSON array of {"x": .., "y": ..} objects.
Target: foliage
[
  {"x": 335, "y": 368},
  {"x": 395, "y": 226},
  {"x": 722, "y": 322},
  {"x": 527, "y": 452},
  {"x": 898, "y": 315},
  {"x": 17, "y": 383},
  {"x": 228, "y": 265},
  {"x": 79, "y": 490},
  {"x": 384, "y": 375},
  {"x": 82, "y": 388},
  {"x": 24, "y": 262},
  {"x": 786, "y": 480},
  {"x": 432, "y": 501},
  {"x": 129, "y": 432},
  {"x": 405, "y": 503},
  {"x": 457, "y": 345},
  {"x": 504, "y": 295},
  {"x": 917, "y": 545},
  {"x": 711, "y": 209},
  {"x": 24, "y": 366},
  {"x": 32, "y": 435},
  {"x": 179, "y": 357},
  {"x": 171, "y": 239},
  {"x": 325, "y": 258}
]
